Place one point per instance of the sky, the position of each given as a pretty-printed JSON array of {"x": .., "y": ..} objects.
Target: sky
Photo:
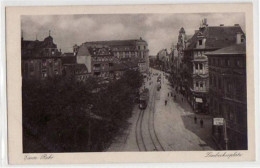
[{"x": 159, "y": 30}]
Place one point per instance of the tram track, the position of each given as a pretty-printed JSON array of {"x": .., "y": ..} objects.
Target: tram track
[{"x": 140, "y": 141}]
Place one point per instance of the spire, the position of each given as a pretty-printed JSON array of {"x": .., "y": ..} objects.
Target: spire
[{"x": 49, "y": 32}]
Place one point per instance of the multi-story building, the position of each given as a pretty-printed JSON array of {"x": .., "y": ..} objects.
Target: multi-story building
[
  {"x": 127, "y": 50},
  {"x": 40, "y": 59},
  {"x": 99, "y": 60},
  {"x": 207, "y": 38},
  {"x": 227, "y": 88}
]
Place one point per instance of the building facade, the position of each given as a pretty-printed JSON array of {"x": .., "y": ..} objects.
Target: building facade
[
  {"x": 99, "y": 60},
  {"x": 196, "y": 76},
  {"x": 40, "y": 59},
  {"x": 228, "y": 100},
  {"x": 128, "y": 50}
]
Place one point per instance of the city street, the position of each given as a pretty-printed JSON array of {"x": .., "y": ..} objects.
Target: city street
[{"x": 161, "y": 127}]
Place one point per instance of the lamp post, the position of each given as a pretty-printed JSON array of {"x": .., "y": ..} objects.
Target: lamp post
[
  {"x": 88, "y": 110},
  {"x": 225, "y": 134}
]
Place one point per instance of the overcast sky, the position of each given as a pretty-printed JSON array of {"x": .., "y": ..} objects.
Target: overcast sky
[{"x": 159, "y": 30}]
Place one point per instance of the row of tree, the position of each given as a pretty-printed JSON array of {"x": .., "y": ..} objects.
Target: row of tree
[{"x": 66, "y": 116}]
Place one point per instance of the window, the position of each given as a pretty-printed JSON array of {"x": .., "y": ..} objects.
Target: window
[
  {"x": 44, "y": 74},
  {"x": 213, "y": 61},
  {"x": 229, "y": 87},
  {"x": 200, "y": 42},
  {"x": 197, "y": 84},
  {"x": 200, "y": 66},
  {"x": 139, "y": 47},
  {"x": 196, "y": 66},
  {"x": 219, "y": 83},
  {"x": 238, "y": 63},
  {"x": 31, "y": 68},
  {"x": 227, "y": 62},
  {"x": 201, "y": 85}
]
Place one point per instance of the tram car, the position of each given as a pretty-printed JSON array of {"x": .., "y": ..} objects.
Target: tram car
[{"x": 144, "y": 97}]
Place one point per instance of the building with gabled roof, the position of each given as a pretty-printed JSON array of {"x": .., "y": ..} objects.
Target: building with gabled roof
[{"x": 196, "y": 77}]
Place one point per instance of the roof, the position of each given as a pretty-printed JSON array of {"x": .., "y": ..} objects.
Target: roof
[
  {"x": 68, "y": 59},
  {"x": 83, "y": 50},
  {"x": 35, "y": 48},
  {"x": 216, "y": 36},
  {"x": 113, "y": 43},
  {"x": 67, "y": 54},
  {"x": 237, "y": 49},
  {"x": 94, "y": 50}
]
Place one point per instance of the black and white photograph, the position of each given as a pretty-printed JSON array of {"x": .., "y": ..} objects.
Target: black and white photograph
[
  {"x": 134, "y": 82},
  {"x": 130, "y": 84}
]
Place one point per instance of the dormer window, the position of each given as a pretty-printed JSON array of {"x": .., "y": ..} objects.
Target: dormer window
[{"x": 200, "y": 42}]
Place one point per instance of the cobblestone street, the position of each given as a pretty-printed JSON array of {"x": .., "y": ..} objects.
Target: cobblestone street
[{"x": 174, "y": 124}]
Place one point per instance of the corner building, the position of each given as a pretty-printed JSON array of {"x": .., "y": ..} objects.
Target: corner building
[{"x": 196, "y": 76}]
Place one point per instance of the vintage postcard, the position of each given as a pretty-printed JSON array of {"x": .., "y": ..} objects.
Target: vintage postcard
[{"x": 125, "y": 84}]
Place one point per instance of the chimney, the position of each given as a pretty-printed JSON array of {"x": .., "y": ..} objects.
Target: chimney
[
  {"x": 239, "y": 38},
  {"x": 205, "y": 22},
  {"x": 221, "y": 25}
]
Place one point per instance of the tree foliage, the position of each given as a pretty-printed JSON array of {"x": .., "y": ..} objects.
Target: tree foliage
[{"x": 56, "y": 116}]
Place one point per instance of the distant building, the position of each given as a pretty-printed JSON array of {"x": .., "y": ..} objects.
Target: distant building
[
  {"x": 207, "y": 38},
  {"x": 164, "y": 59},
  {"x": 228, "y": 95},
  {"x": 127, "y": 50},
  {"x": 179, "y": 67},
  {"x": 40, "y": 59}
]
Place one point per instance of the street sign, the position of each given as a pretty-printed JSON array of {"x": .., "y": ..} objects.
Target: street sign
[{"x": 218, "y": 121}]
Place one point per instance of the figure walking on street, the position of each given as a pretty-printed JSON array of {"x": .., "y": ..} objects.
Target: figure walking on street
[
  {"x": 195, "y": 120},
  {"x": 201, "y": 123},
  {"x": 165, "y": 102}
]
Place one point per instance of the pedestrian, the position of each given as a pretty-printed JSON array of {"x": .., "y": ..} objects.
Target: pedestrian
[
  {"x": 195, "y": 120},
  {"x": 201, "y": 123},
  {"x": 165, "y": 102}
]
